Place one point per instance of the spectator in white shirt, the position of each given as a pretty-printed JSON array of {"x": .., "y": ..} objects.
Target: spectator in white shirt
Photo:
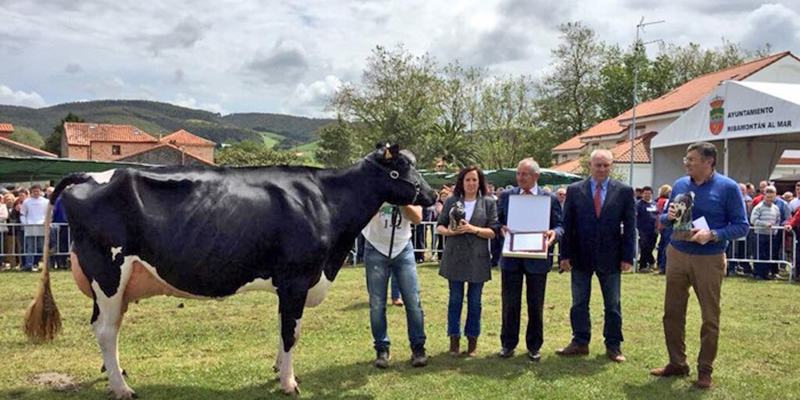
[{"x": 32, "y": 214}]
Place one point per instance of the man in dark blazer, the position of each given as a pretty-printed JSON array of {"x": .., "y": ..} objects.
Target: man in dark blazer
[
  {"x": 533, "y": 270},
  {"x": 599, "y": 235}
]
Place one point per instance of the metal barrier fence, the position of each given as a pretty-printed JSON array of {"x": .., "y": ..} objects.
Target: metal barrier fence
[
  {"x": 762, "y": 251},
  {"x": 20, "y": 241}
]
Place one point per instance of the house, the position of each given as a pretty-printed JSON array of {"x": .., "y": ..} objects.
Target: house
[
  {"x": 90, "y": 141},
  {"x": 11, "y": 148},
  {"x": 654, "y": 115}
]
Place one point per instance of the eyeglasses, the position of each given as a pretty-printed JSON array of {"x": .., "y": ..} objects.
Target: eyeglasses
[{"x": 690, "y": 160}]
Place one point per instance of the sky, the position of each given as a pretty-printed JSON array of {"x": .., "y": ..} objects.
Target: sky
[{"x": 289, "y": 57}]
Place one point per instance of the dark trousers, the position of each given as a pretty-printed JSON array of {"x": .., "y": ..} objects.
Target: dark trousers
[
  {"x": 768, "y": 248},
  {"x": 663, "y": 241},
  {"x": 579, "y": 313},
  {"x": 512, "y": 299},
  {"x": 647, "y": 242},
  {"x": 419, "y": 243}
]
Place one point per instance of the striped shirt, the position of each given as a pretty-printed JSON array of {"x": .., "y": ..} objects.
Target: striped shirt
[{"x": 763, "y": 215}]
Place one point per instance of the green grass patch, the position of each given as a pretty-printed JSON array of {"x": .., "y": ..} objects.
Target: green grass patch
[
  {"x": 225, "y": 349},
  {"x": 270, "y": 138}
]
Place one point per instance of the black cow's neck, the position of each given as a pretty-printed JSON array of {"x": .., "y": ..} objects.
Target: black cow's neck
[{"x": 357, "y": 194}]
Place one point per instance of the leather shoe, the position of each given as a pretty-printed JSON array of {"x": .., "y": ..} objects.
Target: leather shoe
[
  {"x": 670, "y": 370},
  {"x": 615, "y": 355},
  {"x": 703, "y": 380},
  {"x": 574, "y": 349},
  {"x": 505, "y": 353},
  {"x": 534, "y": 355}
]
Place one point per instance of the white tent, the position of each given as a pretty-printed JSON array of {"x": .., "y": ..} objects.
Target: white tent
[{"x": 751, "y": 123}]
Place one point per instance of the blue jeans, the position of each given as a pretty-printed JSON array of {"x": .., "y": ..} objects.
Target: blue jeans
[
  {"x": 472, "y": 326},
  {"x": 663, "y": 241},
  {"x": 33, "y": 244},
  {"x": 579, "y": 313},
  {"x": 378, "y": 269},
  {"x": 395, "y": 288}
]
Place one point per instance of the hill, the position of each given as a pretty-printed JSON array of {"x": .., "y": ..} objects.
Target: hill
[{"x": 161, "y": 118}]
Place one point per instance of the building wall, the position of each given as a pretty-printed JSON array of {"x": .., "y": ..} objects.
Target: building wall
[
  {"x": 642, "y": 173},
  {"x": 163, "y": 156},
  {"x": 204, "y": 152},
  {"x": 77, "y": 152},
  {"x": 102, "y": 150},
  {"x": 785, "y": 70},
  {"x": 7, "y": 151}
]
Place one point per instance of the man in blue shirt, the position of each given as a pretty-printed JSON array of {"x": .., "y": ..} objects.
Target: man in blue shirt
[{"x": 699, "y": 261}]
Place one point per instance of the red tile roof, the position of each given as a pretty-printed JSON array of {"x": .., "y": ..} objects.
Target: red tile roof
[
  {"x": 688, "y": 94},
  {"x": 82, "y": 133},
  {"x": 26, "y": 148},
  {"x": 610, "y": 126},
  {"x": 572, "y": 166},
  {"x": 641, "y": 150},
  {"x": 167, "y": 145},
  {"x": 789, "y": 160},
  {"x": 6, "y": 127},
  {"x": 182, "y": 137}
]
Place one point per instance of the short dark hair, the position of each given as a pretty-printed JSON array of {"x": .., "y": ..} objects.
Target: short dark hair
[
  {"x": 459, "y": 189},
  {"x": 36, "y": 186},
  {"x": 705, "y": 149},
  {"x": 646, "y": 188}
]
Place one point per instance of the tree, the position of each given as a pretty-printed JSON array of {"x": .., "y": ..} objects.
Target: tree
[
  {"x": 505, "y": 124},
  {"x": 337, "y": 145},
  {"x": 53, "y": 142},
  {"x": 27, "y": 136},
  {"x": 396, "y": 101},
  {"x": 250, "y": 153},
  {"x": 570, "y": 94}
]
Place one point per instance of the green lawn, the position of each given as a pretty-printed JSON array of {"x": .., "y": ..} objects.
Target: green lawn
[
  {"x": 270, "y": 138},
  {"x": 225, "y": 349}
]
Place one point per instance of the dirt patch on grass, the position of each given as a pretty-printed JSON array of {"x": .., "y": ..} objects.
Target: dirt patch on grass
[{"x": 60, "y": 382}]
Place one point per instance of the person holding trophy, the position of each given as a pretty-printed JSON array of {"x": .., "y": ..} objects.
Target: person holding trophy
[
  {"x": 705, "y": 211},
  {"x": 467, "y": 222}
]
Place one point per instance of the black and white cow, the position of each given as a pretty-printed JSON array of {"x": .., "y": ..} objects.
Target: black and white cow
[{"x": 213, "y": 232}]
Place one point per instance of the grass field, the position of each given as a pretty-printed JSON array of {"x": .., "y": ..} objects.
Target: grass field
[{"x": 225, "y": 349}]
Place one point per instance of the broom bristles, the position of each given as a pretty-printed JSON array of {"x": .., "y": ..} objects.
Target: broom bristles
[{"x": 42, "y": 318}]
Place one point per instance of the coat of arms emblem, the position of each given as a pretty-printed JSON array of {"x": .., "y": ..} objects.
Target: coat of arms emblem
[{"x": 716, "y": 115}]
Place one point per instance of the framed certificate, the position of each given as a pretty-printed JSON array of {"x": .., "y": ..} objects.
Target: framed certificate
[{"x": 528, "y": 223}]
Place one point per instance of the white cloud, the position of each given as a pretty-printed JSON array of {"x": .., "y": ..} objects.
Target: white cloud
[
  {"x": 184, "y": 100},
  {"x": 311, "y": 99},
  {"x": 20, "y": 98}
]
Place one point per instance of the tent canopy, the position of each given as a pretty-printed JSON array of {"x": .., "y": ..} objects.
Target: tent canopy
[
  {"x": 30, "y": 169},
  {"x": 751, "y": 123}
]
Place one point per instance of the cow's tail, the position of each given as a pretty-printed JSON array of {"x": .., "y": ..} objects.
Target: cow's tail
[{"x": 42, "y": 318}]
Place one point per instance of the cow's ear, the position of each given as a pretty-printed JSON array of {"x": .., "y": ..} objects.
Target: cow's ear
[
  {"x": 394, "y": 149},
  {"x": 379, "y": 146}
]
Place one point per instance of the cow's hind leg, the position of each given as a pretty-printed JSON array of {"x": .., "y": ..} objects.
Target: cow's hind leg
[
  {"x": 292, "y": 298},
  {"x": 109, "y": 307}
]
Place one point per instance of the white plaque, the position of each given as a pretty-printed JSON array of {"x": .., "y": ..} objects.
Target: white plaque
[{"x": 528, "y": 223}]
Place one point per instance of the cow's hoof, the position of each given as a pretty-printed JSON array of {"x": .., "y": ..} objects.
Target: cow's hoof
[
  {"x": 124, "y": 394},
  {"x": 293, "y": 393}
]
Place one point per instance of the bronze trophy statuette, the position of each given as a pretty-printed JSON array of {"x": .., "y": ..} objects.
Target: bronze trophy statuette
[{"x": 682, "y": 225}]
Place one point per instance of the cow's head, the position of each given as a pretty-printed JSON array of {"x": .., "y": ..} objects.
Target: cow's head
[{"x": 405, "y": 184}]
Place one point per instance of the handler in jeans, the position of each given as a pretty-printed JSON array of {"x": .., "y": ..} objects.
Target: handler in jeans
[
  {"x": 700, "y": 261},
  {"x": 385, "y": 254}
]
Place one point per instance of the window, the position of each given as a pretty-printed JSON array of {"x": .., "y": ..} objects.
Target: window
[{"x": 115, "y": 150}]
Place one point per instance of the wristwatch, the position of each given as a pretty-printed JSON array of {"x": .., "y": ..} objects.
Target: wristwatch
[{"x": 714, "y": 237}]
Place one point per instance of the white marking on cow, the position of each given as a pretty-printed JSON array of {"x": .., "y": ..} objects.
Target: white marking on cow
[
  {"x": 102, "y": 177},
  {"x": 260, "y": 285},
  {"x": 115, "y": 251},
  {"x": 106, "y": 329},
  {"x": 317, "y": 293}
]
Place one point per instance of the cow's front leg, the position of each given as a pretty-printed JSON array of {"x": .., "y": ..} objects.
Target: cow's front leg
[{"x": 292, "y": 298}]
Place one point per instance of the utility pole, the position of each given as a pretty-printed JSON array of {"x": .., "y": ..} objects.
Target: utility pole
[{"x": 632, "y": 135}]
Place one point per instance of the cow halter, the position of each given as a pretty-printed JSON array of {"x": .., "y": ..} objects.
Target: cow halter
[{"x": 396, "y": 175}]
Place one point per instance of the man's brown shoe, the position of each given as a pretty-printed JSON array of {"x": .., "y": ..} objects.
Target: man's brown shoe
[
  {"x": 670, "y": 370},
  {"x": 574, "y": 349},
  {"x": 703, "y": 380},
  {"x": 615, "y": 355}
]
